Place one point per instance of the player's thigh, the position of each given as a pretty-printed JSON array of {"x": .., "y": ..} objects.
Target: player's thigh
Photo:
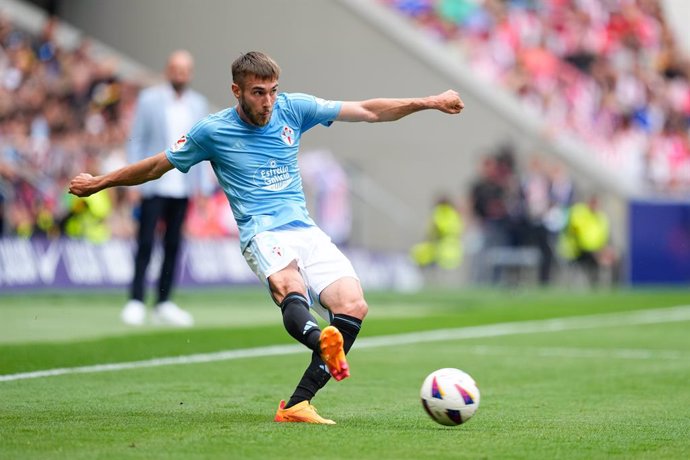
[
  {"x": 285, "y": 281},
  {"x": 273, "y": 260}
]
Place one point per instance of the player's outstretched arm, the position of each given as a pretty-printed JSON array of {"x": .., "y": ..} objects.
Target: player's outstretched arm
[
  {"x": 385, "y": 109},
  {"x": 137, "y": 173}
]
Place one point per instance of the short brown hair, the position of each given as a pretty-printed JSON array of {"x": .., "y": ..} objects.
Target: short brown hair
[{"x": 254, "y": 63}]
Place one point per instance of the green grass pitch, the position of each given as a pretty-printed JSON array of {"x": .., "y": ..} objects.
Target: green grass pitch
[{"x": 562, "y": 375}]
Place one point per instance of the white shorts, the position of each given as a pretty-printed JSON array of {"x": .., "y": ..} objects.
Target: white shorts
[{"x": 320, "y": 262}]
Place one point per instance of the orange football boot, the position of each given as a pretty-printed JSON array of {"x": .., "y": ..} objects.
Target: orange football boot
[
  {"x": 302, "y": 412},
  {"x": 333, "y": 354}
]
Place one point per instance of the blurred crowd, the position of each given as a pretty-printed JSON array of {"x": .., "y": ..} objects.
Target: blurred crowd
[
  {"x": 520, "y": 217},
  {"x": 607, "y": 72},
  {"x": 65, "y": 111},
  {"x": 61, "y": 112},
  {"x": 535, "y": 205}
]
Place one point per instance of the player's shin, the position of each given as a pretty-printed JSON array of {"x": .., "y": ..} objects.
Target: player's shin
[
  {"x": 315, "y": 377},
  {"x": 299, "y": 322}
]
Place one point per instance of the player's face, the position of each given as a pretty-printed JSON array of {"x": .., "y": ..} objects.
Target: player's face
[{"x": 256, "y": 98}]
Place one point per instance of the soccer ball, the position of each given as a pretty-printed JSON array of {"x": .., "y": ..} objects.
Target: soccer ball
[{"x": 450, "y": 396}]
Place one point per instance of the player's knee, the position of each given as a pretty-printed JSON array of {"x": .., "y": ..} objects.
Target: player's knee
[
  {"x": 294, "y": 298},
  {"x": 281, "y": 288},
  {"x": 357, "y": 308}
]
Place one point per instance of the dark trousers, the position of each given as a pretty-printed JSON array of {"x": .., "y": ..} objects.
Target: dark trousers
[
  {"x": 171, "y": 211},
  {"x": 590, "y": 265}
]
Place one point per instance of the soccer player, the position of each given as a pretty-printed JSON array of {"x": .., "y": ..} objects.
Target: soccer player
[{"x": 253, "y": 150}]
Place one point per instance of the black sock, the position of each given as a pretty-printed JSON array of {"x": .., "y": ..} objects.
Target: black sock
[
  {"x": 299, "y": 322},
  {"x": 316, "y": 376},
  {"x": 349, "y": 326}
]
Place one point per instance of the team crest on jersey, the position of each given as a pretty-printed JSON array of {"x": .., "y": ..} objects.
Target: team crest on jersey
[
  {"x": 179, "y": 144},
  {"x": 288, "y": 135}
]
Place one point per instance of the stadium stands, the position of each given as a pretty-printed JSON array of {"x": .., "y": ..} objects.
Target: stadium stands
[
  {"x": 620, "y": 84},
  {"x": 65, "y": 110},
  {"x": 608, "y": 73},
  {"x": 61, "y": 112}
]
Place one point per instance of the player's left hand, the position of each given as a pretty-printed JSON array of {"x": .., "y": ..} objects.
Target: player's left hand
[{"x": 450, "y": 102}]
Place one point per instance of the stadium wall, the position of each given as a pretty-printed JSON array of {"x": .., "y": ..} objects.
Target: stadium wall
[
  {"x": 28, "y": 265},
  {"x": 677, "y": 13}
]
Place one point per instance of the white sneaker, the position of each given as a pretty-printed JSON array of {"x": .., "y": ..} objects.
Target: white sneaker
[
  {"x": 134, "y": 313},
  {"x": 169, "y": 313}
]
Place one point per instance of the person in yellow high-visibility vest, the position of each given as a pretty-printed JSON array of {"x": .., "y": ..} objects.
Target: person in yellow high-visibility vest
[
  {"x": 586, "y": 238},
  {"x": 88, "y": 217},
  {"x": 443, "y": 247}
]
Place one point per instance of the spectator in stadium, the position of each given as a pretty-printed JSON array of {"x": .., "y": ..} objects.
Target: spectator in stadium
[
  {"x": 586, "y": 239},
  {"x": 489, "y": 202},
  {"x": 443, "y": 247},
  {"x": 163, "y": 113},
  {"x": 253, "y": 147},
  {"x": 535, "y": 192},
  {"x": 87, "y": 218}
]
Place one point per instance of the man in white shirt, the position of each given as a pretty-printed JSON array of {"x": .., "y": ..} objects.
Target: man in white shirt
[{"x": 164, "y": 113}]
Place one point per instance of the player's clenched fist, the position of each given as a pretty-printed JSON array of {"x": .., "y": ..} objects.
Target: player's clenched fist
[
  {"x": 82, "y": 185},
  {"x": 450, "y": 102}
]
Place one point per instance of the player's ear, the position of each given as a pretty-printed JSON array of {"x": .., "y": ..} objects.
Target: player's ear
[{"x": 235, "y": 90}]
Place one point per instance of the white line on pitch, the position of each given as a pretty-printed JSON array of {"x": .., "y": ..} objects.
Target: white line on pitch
[
  {"x": 576, "y": 352},
  {"x": 665, "y": 315}
]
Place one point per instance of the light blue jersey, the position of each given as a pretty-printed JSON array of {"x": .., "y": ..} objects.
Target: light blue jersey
[{"x": 257, "y": 166}]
